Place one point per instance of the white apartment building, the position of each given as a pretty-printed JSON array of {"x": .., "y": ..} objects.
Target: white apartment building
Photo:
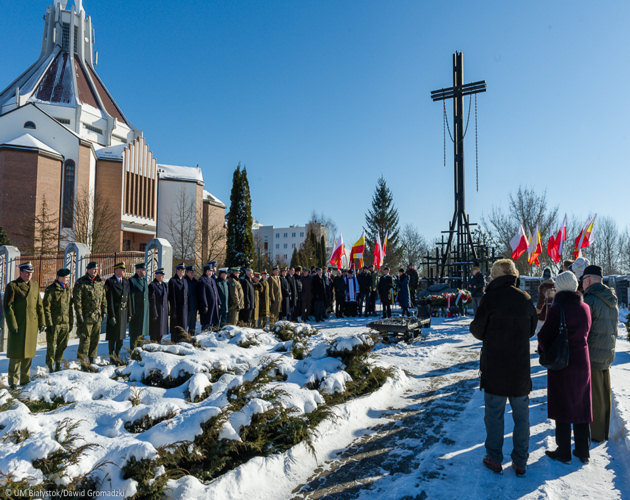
[{"x": 279, "y": 242}]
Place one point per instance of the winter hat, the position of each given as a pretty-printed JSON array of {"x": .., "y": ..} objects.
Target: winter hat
[
  {"x": 593, "y": 270},
  {"x": 546, "y": 273},
  {"x": 566, "y": 281},
  {"x": 579, "y": 265}
]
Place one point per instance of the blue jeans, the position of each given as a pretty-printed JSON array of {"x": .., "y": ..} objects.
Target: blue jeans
[{"x": 495, "y": 411}]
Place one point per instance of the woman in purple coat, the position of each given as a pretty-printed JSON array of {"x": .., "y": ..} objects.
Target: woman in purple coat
[{"x": 569, "y": 390}]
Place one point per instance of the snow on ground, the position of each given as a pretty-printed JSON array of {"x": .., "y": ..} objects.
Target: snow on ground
[{"x": 420, "y": 435}]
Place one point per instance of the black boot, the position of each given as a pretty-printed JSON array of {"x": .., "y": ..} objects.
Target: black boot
[
  {"x": 58, "y": 366},
  {"x": 556, "y": 455}
]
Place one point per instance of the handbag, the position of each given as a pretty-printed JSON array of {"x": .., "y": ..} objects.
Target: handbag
[{"x": 557, "y": 356}]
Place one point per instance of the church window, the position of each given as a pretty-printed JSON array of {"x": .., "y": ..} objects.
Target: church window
[
  {"x": 65, "y": 36},
  {"x": 65, "y": 121},
  {"x": 68, "y": 194},
  {"x": 30, "y": 125},
  {"x": 92, "y": 128}
]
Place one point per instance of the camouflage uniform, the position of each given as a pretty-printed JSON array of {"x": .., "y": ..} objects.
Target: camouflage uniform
[
  {"x": 90, "y": 306},
  {"x": 59, "y": 317},
  {"x": 236, "y": 300}
]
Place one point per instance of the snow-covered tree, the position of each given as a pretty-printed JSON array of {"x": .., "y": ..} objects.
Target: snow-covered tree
[{"x": 382, "y": 218}]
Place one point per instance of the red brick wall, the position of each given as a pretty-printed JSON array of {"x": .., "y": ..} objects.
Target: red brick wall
[{"x": 109, "y": 186}]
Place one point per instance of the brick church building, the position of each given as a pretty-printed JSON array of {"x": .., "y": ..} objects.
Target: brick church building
[{"x": 65, "y": 142}]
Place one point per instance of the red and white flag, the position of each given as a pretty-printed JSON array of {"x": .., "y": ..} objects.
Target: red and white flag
[
  {"x": 584, "y": 238},
  {"x": 339, "y": 250},
  {"x": 561, "y": 238},
  {"x": 378, "y": 252},
  {"x": 519, "y": 243}
]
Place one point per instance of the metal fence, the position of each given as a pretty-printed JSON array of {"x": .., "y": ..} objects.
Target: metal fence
[{"x": 46, "y": 266}]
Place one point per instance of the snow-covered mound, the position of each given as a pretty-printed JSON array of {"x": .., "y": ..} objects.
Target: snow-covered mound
[{"x": 121, "y": 428}]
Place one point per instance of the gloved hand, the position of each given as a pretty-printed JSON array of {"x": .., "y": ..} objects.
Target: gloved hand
[
  {"x": 154, "y": 318},
  {"x": 204, "y": 310},
  {"x": 111, "y": 321}
]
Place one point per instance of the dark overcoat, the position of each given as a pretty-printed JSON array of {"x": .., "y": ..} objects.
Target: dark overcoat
[
  {"x": 403, "y": 291},
  {"x": 505, "y": 321},
  {"x": 293, "y": 288},
  {"x": 158, "y": 310},
  {"x": 339, "y": 285},
  {"x": 248, "y": 293},
  {"x": 569, "y": 390},
  {"x": 318, "y": 288},
  {"x": 224, "y": 297},
  {"x": 178, "y": 302},
  {"x": 24, "y": 313},
  {"x": 139, "y": 298},
  {"x": 385, "y": 289},
  {"x": 476, "y": 285},
  {"x": 193, "y": 292},
  {"x": 118, "y": 306},
  {"x": 208, "y": 300},
  {"x": 307, "y": 293}
]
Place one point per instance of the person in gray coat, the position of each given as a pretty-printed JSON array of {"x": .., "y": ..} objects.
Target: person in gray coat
[{"x": 601, "y": 346}]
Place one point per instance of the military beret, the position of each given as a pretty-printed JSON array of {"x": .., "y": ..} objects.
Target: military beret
[
  {"x": 120, "y": 265},
  {"x": 190, "y": 268},
  {"x": 141, "y": 265},
  {"x": 92, "y": 265},
  {"x": 64, "y": 271},
  {"x": 159, "y": 270},
  {"x": 181, "y": 266},
  {"x": 27, "y": 267},
  {"x": 235, "y": 270},
  {"x": 212, "y": 263},
  {"x": 283, "y": 269},
  {"x": 275, "y": 268}
]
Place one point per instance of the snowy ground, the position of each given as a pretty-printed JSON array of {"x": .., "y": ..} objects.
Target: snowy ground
[{"x": 419, "y": 436}]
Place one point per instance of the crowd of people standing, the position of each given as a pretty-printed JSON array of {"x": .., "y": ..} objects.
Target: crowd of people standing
[{"x": 155, "y": 308}]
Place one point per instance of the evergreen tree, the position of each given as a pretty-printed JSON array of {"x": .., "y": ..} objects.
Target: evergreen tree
[
  {"x": 4, "y": 239},
  {"x": 382, "y": 218},
  {"x": 295, "y": 258},
  {"x": 240, "y": 241},
  {"x": 322, "y": 252}
]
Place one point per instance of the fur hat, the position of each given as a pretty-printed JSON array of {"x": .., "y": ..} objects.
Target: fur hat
[
  {"x": 566, "y": 281},
  {"x": 579, "y": 265}
]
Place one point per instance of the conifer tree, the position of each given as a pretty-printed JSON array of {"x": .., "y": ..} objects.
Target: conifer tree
[
  {"x": 382, "y": 218},
  {"x": 295, "y": 258},
  {"x": 240, "y": 241},
  {"x": 4, "y": 238}
]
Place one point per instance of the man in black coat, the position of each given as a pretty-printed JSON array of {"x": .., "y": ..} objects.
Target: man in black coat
[
  {"x": 505, "y": 321},
  {"x": 386, "y": 292},
  {"x": 118, "y": 310},
  {"x": 178, "y": 301},
  {"x": 249, "y": 298},
  {"x": 307, "y": 294},
  {"x": 339, "y": 286},
  {"x": 158, "y": 307},
  {"x": 192, "y": 299},
  {"x": 293, "y": 288},
  {"x": 209, "y": 299},
  {"x": 414, "y": 278},
  {"x": 476, "y": 287},
  {"x": 365, "y": 280},
  {"x": 139, "y": 298},
  {"x": 319, "y": 295},
  {"x": 285, "y": 313},
  {"x": 297, "y": 278}
]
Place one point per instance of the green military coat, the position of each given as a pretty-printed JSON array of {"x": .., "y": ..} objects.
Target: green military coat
[
  {"x": 58, "y": 305},
  {"x": 90, "y": 304},
  {"x": 24, "y": 314},
  {"x": 236, "y": 299},
  {"x": 262, "y": 300},
  {"x": 139, "y": 298},
  {"x": 275, "y": 295}
]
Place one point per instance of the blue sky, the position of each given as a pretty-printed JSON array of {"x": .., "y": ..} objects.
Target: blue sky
[{"x": 319, "y": 98}]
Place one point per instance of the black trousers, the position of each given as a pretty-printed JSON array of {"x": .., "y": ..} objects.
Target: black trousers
[
  {"x": 372, "y": 302},
  {"x": 340, "y": 305},
  {"x": 387, "y": 310},
  {"x": 115, "y": 344},
  {"x": 319, "y": 310},
  {"x": 245, "y": 315},
  {"x": 582, "y": 435}
]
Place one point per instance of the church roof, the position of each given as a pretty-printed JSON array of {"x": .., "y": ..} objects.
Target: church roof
[
  {"x": 64, "y": 74},
  {"x": 180, "y": 173},
  {"x": 27, "y": 141}
]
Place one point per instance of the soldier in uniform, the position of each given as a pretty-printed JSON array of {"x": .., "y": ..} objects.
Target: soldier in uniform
[
  {"x": 90, "y": 307},
  {"x": 236, "y": 300},
  {"x": 297, "y": 307},
  {"x": 285, "y": 311},
  {"x": 224, "y": 296},
  {"x": 178, "y": 301},
  {"x": 386, "y": 292},
  {"x": 249, "y": 299},
  {"x": 208, "y": 299},
  {"x": 275, "y": 295},
  {"x": 158, "y": 307},
  {"x": 139, "y": 298},
  {"x": 192, "y": 299},
  {"x": 117, "y": 291},
  {"x": 263, "y": 300},
  {"x": 59, "y": 318},
  {"x": 24, "y": 314}
]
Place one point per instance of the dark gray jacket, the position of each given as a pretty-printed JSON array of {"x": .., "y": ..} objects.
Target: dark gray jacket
[{"x": 605, "y": 317}]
